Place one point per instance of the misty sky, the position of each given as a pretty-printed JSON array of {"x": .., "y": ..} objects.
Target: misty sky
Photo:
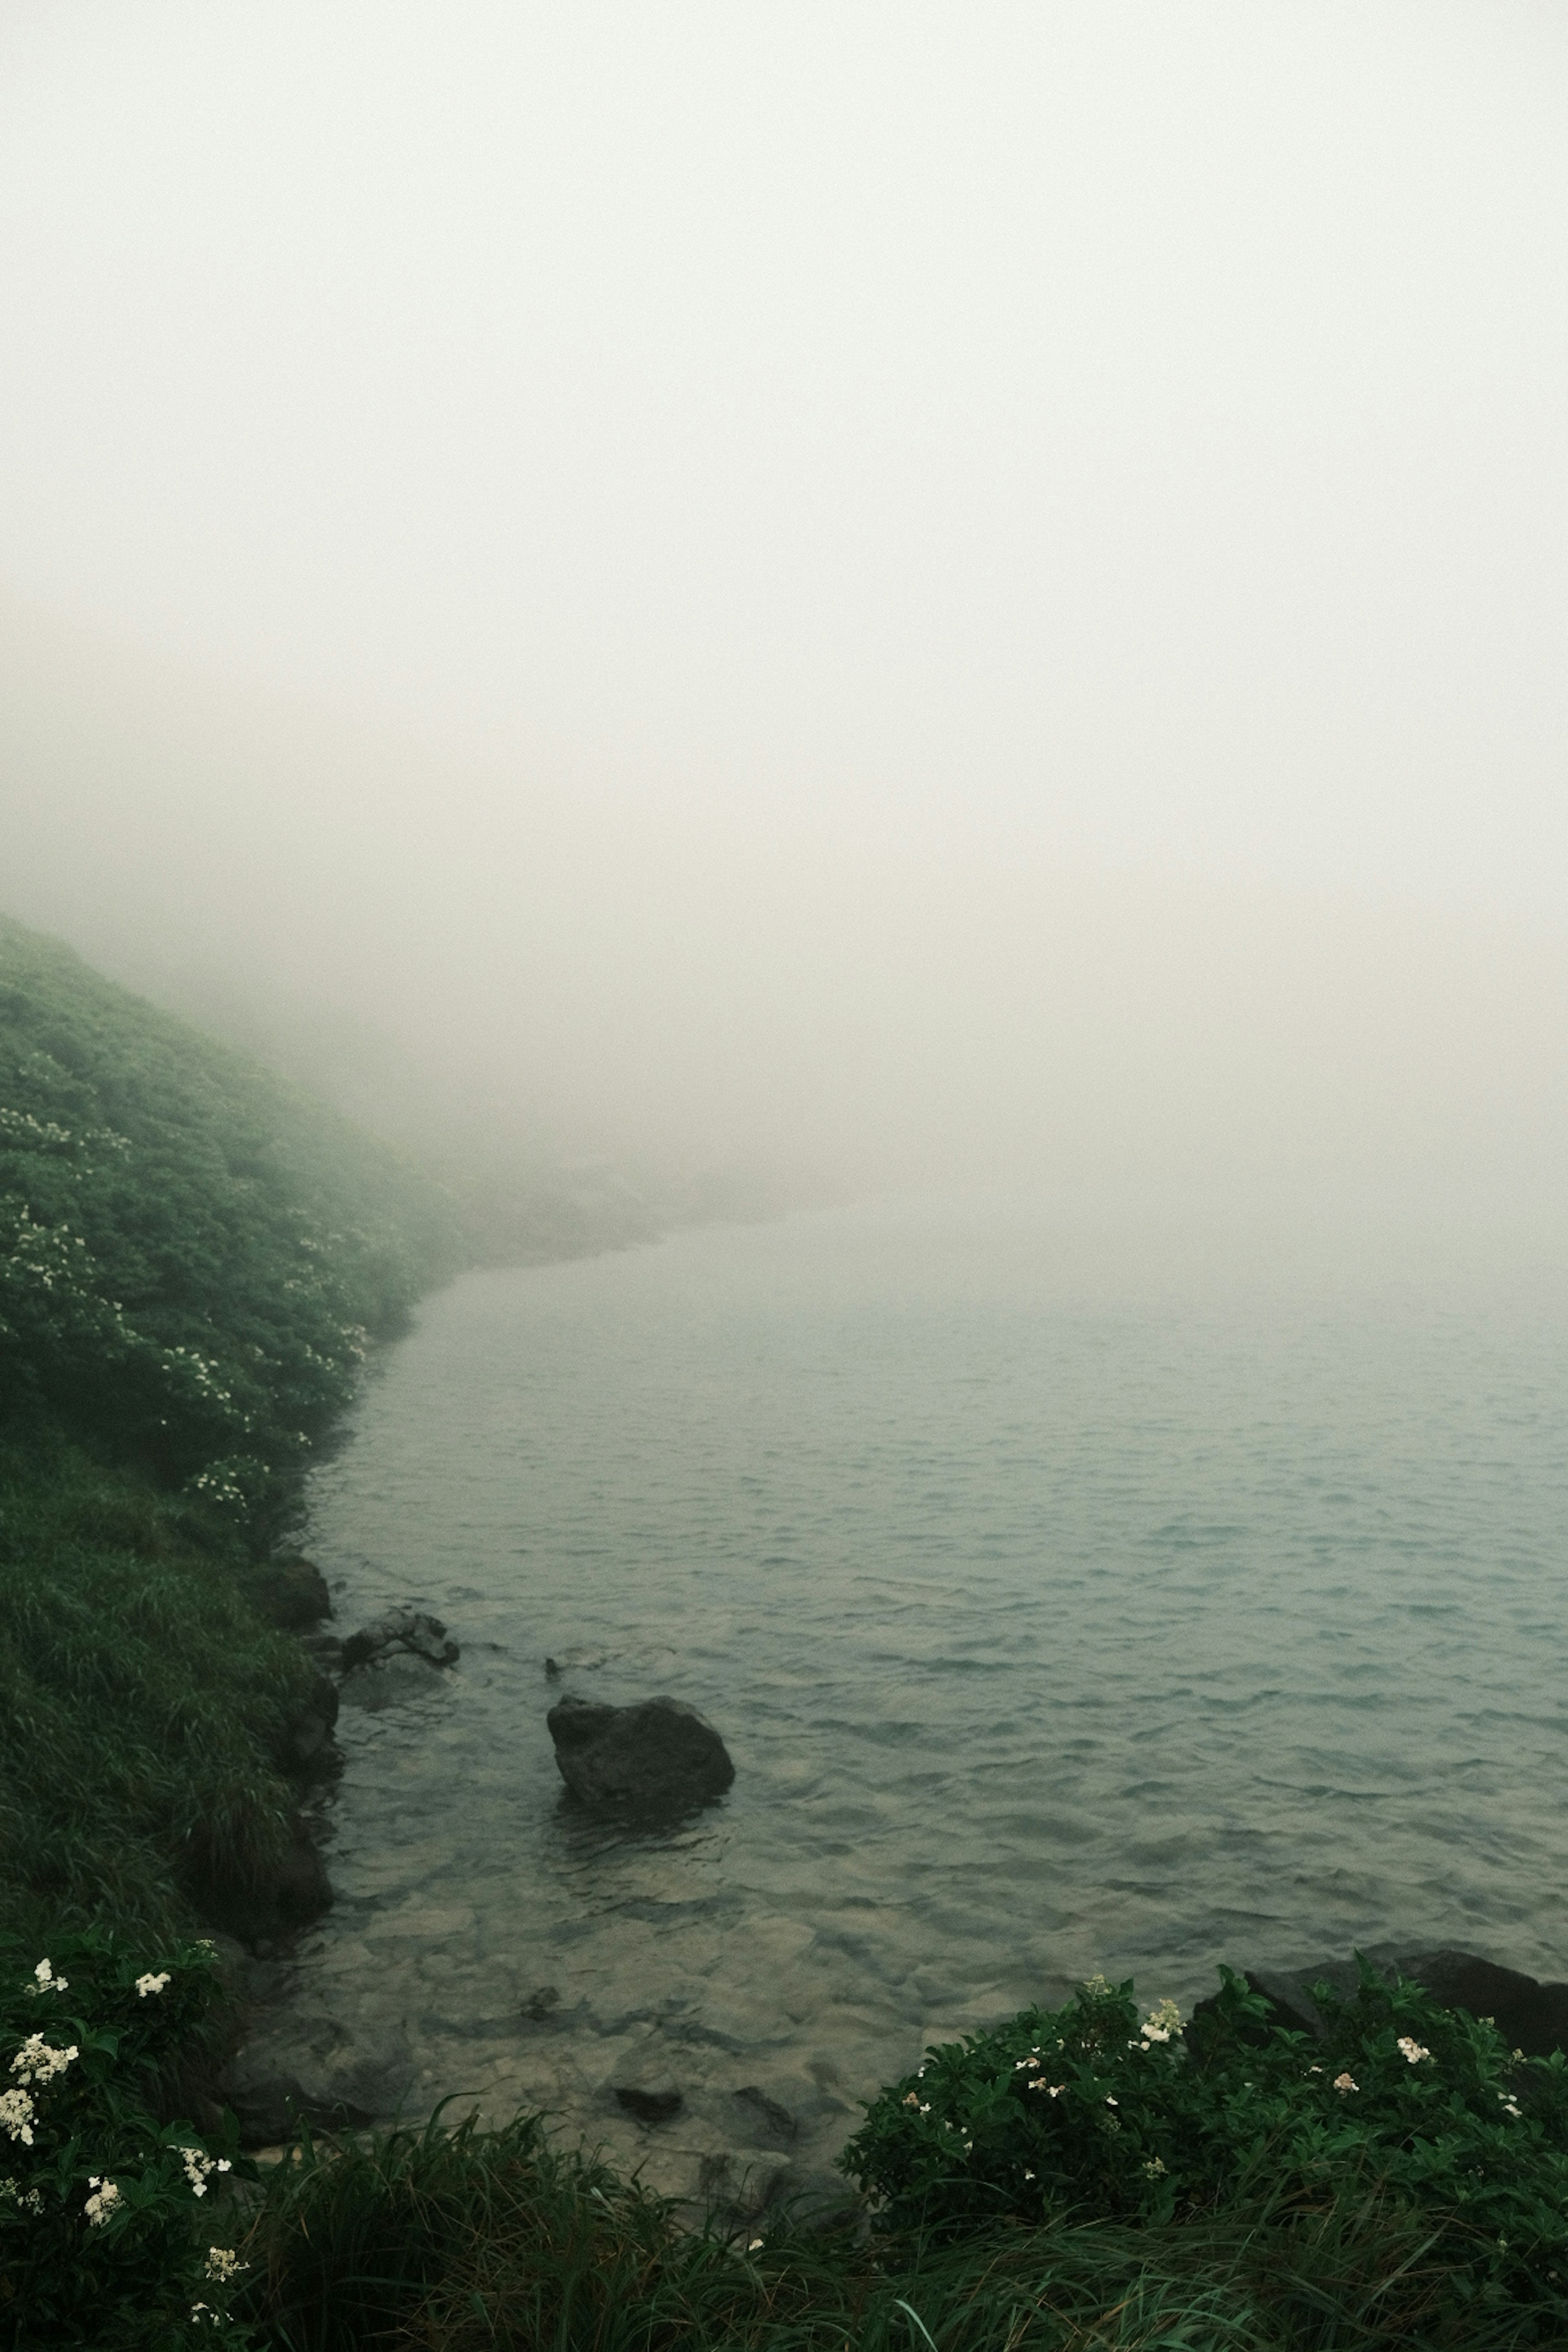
[{"x": 957, "y": 587}]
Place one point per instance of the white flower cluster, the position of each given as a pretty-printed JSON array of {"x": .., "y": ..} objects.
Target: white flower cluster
[
  {"x": 100, "y": 2205},
  {"x": 200, "y": 2166},
  {"x": 1164, "y": 2021},
  {"x": 224, "y": 2265},
  {"x": 1411, "y": 2050},
  {"x": 29, "y": 2199},
  {"x": 45, "y": 1980},
  {"x": 149, "y": 1983},
  {"x": 1344, "y": 2083},
  {"x": 16, "y": 2114},
  {"x": 39, "y": 2061}
]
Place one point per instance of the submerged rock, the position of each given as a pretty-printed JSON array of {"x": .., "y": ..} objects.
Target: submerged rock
[
  {"x": 385, "y": 1681},
  {"x": 308, "y": 2067},
  {"x": 1530, "y": 2016},
  {"x": 659, "y": 1755},
  {"x": 653, "y": 2099}
]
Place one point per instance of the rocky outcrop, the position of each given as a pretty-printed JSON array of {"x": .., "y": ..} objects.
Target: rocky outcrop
[
  {"x": 1530, "y": 2016},
  {"x": 659, "y": 1756}
]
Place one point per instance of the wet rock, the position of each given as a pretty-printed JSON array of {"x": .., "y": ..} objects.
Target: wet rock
[
  {"x": 541, "y": 2003},
  {"x": 291, "y": 1592},
  {"x": 657, "y": 1757},
  {"x": 652, "y": 2099},
  {"x": 306, "y": 1750},
  {"x": 387, "y": 1680},
  {"x": 409, "y": 1632},
  {"x": 1532, "y": 2016}
]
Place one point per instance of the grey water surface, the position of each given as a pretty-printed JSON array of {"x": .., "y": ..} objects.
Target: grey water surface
[{"x": 1069, "y": 1603}]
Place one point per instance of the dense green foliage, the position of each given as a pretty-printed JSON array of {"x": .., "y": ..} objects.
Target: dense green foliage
[
  {"x": 471, "y": 2241},
  {"x": 118, "y": 2225},
  {"x": 1090, "y": 2111},
  {"x": 192, "y": 1257}
]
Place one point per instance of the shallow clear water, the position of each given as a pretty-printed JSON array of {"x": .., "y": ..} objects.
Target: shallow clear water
[{"x": 1065, "y": 1604}]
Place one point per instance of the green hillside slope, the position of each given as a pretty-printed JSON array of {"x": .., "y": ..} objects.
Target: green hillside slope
[{"x": 192, "y": 1257}]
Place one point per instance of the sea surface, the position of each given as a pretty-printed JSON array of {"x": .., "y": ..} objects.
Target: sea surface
[{"x": 1070, "y": 1599}]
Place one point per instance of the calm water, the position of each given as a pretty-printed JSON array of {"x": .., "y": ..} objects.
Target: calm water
[{"x": 1066, "y": 1603}]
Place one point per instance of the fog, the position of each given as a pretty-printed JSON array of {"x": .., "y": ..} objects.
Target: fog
[{"x": 867, "y": 596}]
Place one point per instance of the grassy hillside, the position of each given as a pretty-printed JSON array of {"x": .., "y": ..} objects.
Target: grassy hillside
[{"x": 193, "y": 1258}]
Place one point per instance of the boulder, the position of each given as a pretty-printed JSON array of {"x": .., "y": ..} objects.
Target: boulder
[
  {"x": 1532, "y": 2016},
  {"x": 657, "y": 1757}
]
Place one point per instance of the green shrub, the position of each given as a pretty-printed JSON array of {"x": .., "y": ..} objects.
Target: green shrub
[
  {"x": 1094, "y": 2109},
  {"x": 117, "y": 2229}
]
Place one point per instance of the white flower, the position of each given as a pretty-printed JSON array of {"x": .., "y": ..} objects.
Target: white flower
[
  {"x": 1028, "y": 2176},
  {"x": 16, "y": 2112},
  {"x": 1111, "y": 2101},
  {"x": 1414, "y": 2054},
  {"x": 1154, "y": 2168},
  {"x": 102, "y": 2201},
  {"x": 199, "y": 2167},
  {"x": 223, "y": 2264},
  {"x": 149, "y": 1983},
  {"x": 1344, "y": 2083},
  {"x": 39, "y": 2061},
  {"x": 47, "y": 1981}
]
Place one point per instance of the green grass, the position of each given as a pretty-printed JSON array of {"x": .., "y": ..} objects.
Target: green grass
[
  {"x": 141, "y": 1701},
  {"x": 467, "y": 2241}
]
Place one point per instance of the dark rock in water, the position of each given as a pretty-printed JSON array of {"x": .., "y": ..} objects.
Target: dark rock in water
[
  {"x": 653, "y": 2100},
  {"x": 292, "y": 1594},
  {"x": 541, "y": 2002},
  {"x": 551, "y": 1671},
  {"x": 659, "y": 1755},
  {"x": 408, "y": 1629},
  {"x": 1530, "y": 2015}
]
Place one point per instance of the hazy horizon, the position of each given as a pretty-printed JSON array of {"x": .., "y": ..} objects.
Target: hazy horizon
[{"x": 878, "y": 598}]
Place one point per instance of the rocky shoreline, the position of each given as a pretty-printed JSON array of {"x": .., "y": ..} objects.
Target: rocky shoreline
[{"x": 713, "y": 2107}]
